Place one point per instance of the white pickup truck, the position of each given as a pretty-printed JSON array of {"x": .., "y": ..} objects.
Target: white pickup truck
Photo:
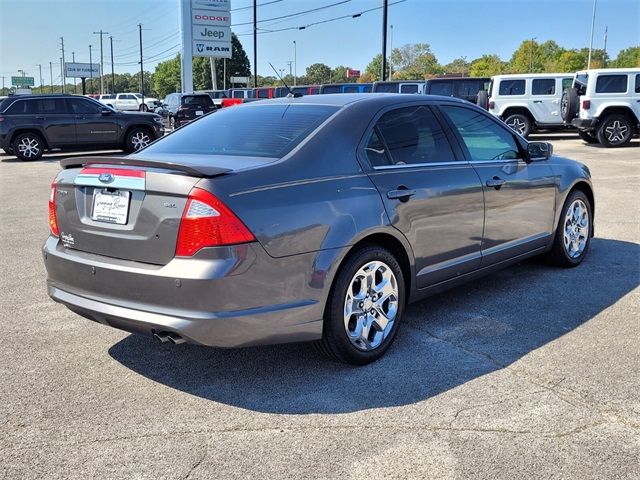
[{"x": 130, "y": 101}]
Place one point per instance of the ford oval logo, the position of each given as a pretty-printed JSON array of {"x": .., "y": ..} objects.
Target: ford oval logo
[{"x": 106, "y": 177}]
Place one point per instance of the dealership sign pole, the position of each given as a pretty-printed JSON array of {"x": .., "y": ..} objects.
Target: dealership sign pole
[{"x": 206, "y": 32}]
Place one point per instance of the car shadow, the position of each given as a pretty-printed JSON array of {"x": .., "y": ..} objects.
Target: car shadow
[
  {"x": 445, "y": 341},
  {"x": 54, "y": 156}
]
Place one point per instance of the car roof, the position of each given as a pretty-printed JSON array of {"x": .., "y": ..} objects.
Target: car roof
[
  {"x": 610, "y": 70},
  {"x": 532, "y": 75},
  {"x": 343, "y": 99}
]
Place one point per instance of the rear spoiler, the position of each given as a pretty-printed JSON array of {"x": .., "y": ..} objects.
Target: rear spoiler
[{"x": 191, "y": 170}]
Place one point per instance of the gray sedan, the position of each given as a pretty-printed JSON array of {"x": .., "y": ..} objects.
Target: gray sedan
[{"x": 308, "y": 219}]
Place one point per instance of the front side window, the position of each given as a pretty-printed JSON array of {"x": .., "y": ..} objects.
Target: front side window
[
  {"x": 442, "y": 88},
  {"x": 274, "y": 131},
  {"x": 611, "y": 84},
  {"x": 543, "y": 86},
  {"x": 85, "y": 107},
  {"x": 638, "y": 83},
  {"x": 413, "y": 135},
  {"x": 484, "y": 138},
  {"x": 375, "y": 151},
  {"x": 511, "y": 87}
]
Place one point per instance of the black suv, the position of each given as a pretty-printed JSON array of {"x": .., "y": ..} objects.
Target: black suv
[
  {"x": 31, "y": 124},
  {"x": 181, "y": 108},
  {"x": 466, "y": 88}
]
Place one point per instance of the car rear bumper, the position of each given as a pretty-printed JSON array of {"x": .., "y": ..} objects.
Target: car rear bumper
[
  {"x": 584, "y": 123},
  {"x": 228, "y": 297}
]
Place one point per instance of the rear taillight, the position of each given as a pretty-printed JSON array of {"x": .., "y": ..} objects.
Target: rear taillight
[
  {"x": 207, "y": 222},
  {"x": 492, "y": 105},
  {"x": 586, "y": 104},
  {"x": 53, "y": 220}
]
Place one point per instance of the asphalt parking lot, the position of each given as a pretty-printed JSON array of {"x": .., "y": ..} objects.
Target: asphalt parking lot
[{"x": 532, "y": 372}]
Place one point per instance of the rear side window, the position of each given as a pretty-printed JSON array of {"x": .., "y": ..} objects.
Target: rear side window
[
  {"x": 413, "y": 135},
  {"x": 367, "y": 88},
  {"x": 470, "y": 88},
  {"x": 53, "y": 105},
  {"x": 21, "y": 108},
  {"x": 638, "y": 83},
  {"x": 314, "y": 91},
  {"x": 511, "y": 87},
  {"x": 442, "y": 88},
  {"x": 375, "y": 151},
  {"x": 262, "y": 93},
  {"x": 238, "y": 94},
  {"x": 543, "y": 86},
  {"x": 351, "y": 89},
  {"x": 409, "y": 88},
  {"x": 611, "y": 84},
  {"x": 484, "y": 138},
  {"x": 387, "y": 87},
  {"x": 566, "y": 83},
  {"x": 252, "y": 131},
  {"x": 332, "y": 89}
]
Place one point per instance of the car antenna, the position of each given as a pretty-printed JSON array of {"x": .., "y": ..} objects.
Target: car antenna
[{"x": 291, "y": 93}]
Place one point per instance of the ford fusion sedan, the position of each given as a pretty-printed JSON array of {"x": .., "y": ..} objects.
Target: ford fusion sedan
[{"x": 321, "y": 225}]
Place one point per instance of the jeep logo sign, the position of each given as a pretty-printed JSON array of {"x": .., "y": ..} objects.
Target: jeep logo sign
[{"x": 211, "y": 33}]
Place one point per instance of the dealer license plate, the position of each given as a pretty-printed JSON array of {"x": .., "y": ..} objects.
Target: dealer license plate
[
  {"x": 111, "y": 207},
  {"x": 199, "y": 112}
]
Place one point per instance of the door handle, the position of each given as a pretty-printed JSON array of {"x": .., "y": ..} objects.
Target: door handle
[
  {"x": 495, "y": 182},
  {"x": 537, "y": 101},
  {"x": 401, "y": 194},
  {"x": 40, "y": 118}
]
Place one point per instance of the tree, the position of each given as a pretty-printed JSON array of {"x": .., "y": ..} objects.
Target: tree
[
  {"x": 318, "y": 73},
  {"x": 534, "y": 57},
  {"x": 487, "y": 66},
  {"x": 374, "y": 67},
  {"x": 339, "y": 75},
  {"x": 413, "y": 61},
  {"x": 459, "y": 65},
  {"x": 570, "y": 61},
  {"x": 166, "y": 78},
  {"x": 627, "y": 58}
]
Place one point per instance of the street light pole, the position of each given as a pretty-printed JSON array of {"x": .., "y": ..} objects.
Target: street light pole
[
  {"x": 51, "y": 77},
  {"x": 390, "y": 48},
  {"x": 593, "y": 22},
  {"x": 113, "y": 75},
  {"x": 385, "y": 7},
  {"x": 141, "y": 66},
  {"x": 295, "y": 63},
  {"x": 255, "y": 44},
  {"x": 531, "y": 55},
  {"x": 101, "y": 33},
  {"x": 40, "y": 69},
  {"x": 90, "y": 71},
  {"x": 75, "y": 80}
]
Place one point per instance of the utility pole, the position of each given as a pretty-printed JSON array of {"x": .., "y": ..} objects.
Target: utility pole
[
  {"x": 385, "y": 7},
  {"x": 604, "y": 56},
  {"x": 214, "y": 76},
  {"x": 75, "y": 80},
  {"x": 113, "y": 75},
  {"x": 51, "y": 77},
  {"x": 141, "y": 65},
  {"x": 390, "y": 50},
  {"x": 40, "y": 69},
  {"x": 90, "y": 71},
  {"x": 531, "y": 55},
  {"x": 224, "y": 74},
  {"x": 63, "y": 77},
  {"x": 295, "y": 63},
  {"x": 290, "y": 64},
  {"x": 101, "y": 33},
  {"x": 593, "y": 22},
  {"x": 255, "y": 43}
]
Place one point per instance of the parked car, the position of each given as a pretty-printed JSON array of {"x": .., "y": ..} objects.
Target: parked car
[
  {"x": 31, "y": 124},
  {"x": 107, "y": 99},
  {"x": 182, "y": 108},
  {"x": 216, "y": 96},
  {"x": 528, "y": 102},
  {"x": 306, "y": 90},
  {"x": 345, "y": 88},
  {"x": 133, "y": 101},
  {"x": 270, "y": 92},
  {"x": 604, "y": 105},
  {"x": 403, "y": 86},
  {"x": 241, "y": 93},
  {"x": 466, "y": 88}
]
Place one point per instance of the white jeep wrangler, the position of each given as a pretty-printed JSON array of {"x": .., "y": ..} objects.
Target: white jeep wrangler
[
  {"x": 604, "y": 105},
  {"x": 527, "y": 102}
]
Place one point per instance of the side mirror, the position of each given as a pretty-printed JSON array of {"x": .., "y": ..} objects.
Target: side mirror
[
  {"x": 539, "y": 151},
  {"x": 106, "y": 111}
]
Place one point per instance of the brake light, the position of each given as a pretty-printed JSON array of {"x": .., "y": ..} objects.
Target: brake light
[
  {"x": 53, "y": 219},
  {"x": 207, "y": 222},
  {"x": 492, "y": 105},
  {"x": 586, "y": 104}
]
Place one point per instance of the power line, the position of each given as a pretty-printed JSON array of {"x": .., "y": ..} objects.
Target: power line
[
  {"x": 251, "y": 6},
  {"x": 294, "y": 14}
]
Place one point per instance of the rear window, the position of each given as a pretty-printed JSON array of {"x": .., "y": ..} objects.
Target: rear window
[
  {"x": 386, "y": 87},
  {"x": 410, "y": 88},
  {"x": 543, "y": 86},
  {"x": 611, "y": 84},
  {"x": 332, "y": 89},
  {"x": 252, "y": 131},
  {"x": 511, "y": 87},
  {"x": 351, "y": 89},
  {"x": 262, "y": 93},
  {"x": 201, "y": 100},
  {"x": 470, "y": 88},
  {"x": 441, "y": 88}
]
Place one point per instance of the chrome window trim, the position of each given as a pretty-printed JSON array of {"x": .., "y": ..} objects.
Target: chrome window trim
[{"x": 447, "y": 164}]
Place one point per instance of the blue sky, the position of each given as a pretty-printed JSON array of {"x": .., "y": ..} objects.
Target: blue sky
[{"x": 453, "y": 28}]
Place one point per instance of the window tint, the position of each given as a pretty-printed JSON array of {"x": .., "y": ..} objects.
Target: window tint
[
  {"x": 314, "y": 91},
  {"x": 300, "y": 90},
  {"x": 367, "y": 88},
  {"x": 53, "y": 105},
  {"x": 611, "y": 84},
  {"x": 332, "y": 89},
  {"x": 543, "y": 86},
  {"x": 375, "y": 151},
  {"x": 387, "y": 87},
  {"x": 470, "y": 88},
  {"x": 351, "y": 89},
  {"x": 80, "y": 106},
  {"x": 200, "y": 100},
  {"x": 484, "y": 138},
  {"x": 262, "y": 93},
  {"x": 21, "y": 108},
  {"x": 274, "y": 131},
  {"x": 511, "y": 87},
  {"x": 414, "y": 135},
  {"x": 638, "y": 83},
  {"x": 409, "y": 88},
  {"x": 442, "y": 88},
  {"x": 238, "y": 94},
  {"x": 566, "y": 83}
]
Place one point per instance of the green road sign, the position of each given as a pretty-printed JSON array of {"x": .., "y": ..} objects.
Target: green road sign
[{"x": 22, "y": 81}]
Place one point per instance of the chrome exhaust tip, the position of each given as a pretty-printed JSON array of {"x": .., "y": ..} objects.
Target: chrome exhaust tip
[
  {"x": 161, "y": 337},
  {"x": 176, "y": 339}
]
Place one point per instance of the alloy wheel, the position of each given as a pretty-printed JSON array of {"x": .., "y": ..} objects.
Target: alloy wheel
[
  {"x": 616, "y": 131},
  {"x": 140, "y": 140},
  {"x": 371, "y": 305},
  {"x": 518, "y": 125},
  {"x": 29, "y": 147},
  {"x": 576, "y": 228}
]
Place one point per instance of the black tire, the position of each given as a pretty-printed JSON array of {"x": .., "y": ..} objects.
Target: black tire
[
  {"x": 335, "y": 341},
  {"x": 588, "y": 137},
  {"x": 134, "y": 140},
  {"x": 143, "y": 108},
  {"x": 8, "y": 150},
  {"x": 28, "y": 146},
  {"x": 558, "y": 254},
  {"x": 483, "y": 99},
  {"x": 615, "y": 131},
  {"x": 569, "y": 104},
  {"x": 520, "y": 123}
]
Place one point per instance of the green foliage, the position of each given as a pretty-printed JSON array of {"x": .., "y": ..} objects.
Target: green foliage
[
  {"x": 459, "y": 65},
  {"x": 374, "y": 68},
  {"x": 166, "y": 78},
  {"x": 318, "y": 73},
  {"x": 627, "y": 58},
  {"x": 486, "y": 66},
  {"x": 414, "y": 61}
]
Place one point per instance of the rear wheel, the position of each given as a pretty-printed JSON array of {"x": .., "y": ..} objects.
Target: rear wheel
[
  {"x": 137, "y": 138},
  {"x": 364, "y": 307},
  {"x": 588, "y": 137},
  {"x": 573, "y": 235},
  {"x": 520, "y": 123},
  {"x": 28, "y": 146},
  {"x": 615, "y": 131},
  {"x": 144, "y": 108}
]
